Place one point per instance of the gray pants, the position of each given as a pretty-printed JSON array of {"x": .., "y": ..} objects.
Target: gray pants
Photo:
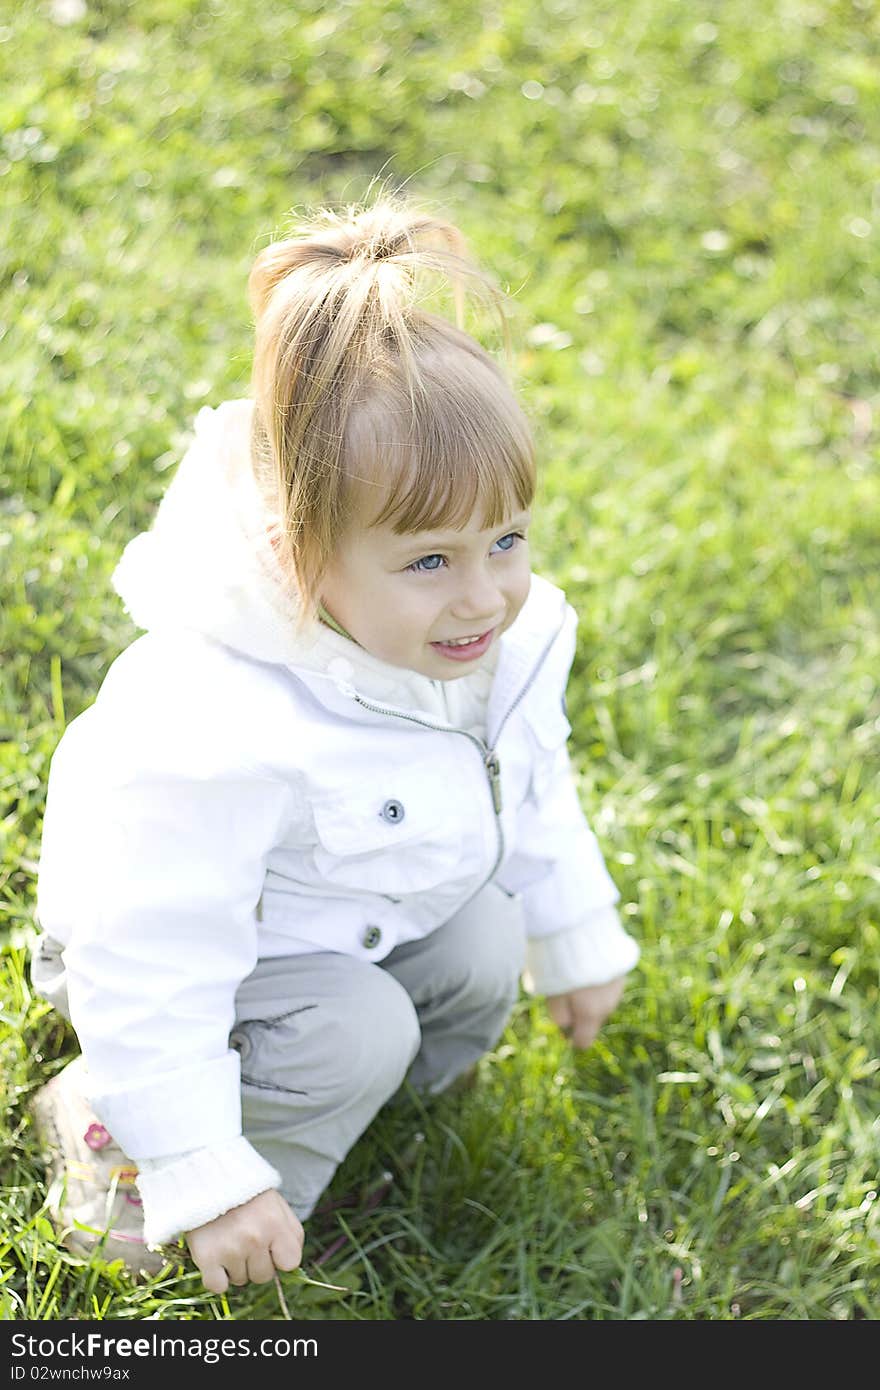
[{"x": 326, "y": 1039}]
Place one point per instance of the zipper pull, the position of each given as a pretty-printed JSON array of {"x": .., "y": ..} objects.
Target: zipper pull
[{"x": 493, "y": 767}]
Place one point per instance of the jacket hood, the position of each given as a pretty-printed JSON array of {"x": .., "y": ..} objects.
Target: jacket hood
[{"x": 207, "y": 566}]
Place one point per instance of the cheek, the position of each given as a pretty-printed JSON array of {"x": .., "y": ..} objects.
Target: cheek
[
  {"x": 389, "y": 615},
  {"x": 521, "y": 583},
  {"x": 408, "y": 611}
]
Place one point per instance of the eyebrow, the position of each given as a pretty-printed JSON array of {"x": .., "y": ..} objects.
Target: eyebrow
[{"x": 421, "y": 540}]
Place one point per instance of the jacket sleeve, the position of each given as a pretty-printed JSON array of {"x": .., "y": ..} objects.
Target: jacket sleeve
[
  {"x": 556, "y": 865},
  {"x": 152, "y": 864}
]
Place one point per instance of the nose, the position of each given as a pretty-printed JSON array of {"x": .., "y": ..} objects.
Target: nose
[{"x": 480, "y": 602}]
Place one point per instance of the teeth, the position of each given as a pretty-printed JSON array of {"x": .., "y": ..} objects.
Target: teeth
[{"x": 463, "y": 641}]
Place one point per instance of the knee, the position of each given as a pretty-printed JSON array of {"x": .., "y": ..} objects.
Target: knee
[
  {"x": 376, "y": 1038},
  {"x": 352, "y": 1041}
]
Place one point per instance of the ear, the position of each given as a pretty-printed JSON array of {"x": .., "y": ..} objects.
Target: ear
[{"x": 274, "y": 537}]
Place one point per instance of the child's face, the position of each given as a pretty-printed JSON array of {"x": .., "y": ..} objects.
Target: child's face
[{"x": 403, "y": 598}]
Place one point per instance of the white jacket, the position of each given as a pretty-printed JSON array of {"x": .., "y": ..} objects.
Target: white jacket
[{"x": 237, "y": 791}]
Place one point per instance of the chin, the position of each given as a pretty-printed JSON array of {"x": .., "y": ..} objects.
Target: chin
[{"x": 466, "y": 670}]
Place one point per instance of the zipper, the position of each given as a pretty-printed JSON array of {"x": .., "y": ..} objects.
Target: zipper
[
  {"x": 489, "y": 757},
  {"x": 531, "y": 680},
  {"x": 493, "y": 767}
]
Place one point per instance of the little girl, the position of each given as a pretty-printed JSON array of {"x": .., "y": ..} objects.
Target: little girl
[{"x": 321, "y": 815}]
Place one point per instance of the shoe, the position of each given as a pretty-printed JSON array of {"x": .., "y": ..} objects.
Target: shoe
[{"x": 93, "y": 1198}]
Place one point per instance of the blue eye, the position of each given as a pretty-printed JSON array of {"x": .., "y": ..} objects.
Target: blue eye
[
  {"x": 425, "y": 565},
  {"x": 422, "y": 566}
]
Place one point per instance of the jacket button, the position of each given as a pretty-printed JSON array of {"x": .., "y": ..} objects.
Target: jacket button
[
  {"x": 393, "y": 812},
  {"x": 372, "y": 936}
]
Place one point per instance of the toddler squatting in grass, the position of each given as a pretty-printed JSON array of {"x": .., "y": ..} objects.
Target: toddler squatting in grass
[{"x": 321, "y": 816}]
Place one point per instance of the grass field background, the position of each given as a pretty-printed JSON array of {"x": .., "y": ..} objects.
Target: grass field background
[{"x": 684, "y": 202}]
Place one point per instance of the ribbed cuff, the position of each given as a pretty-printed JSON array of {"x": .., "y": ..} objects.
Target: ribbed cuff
[
  {"x": 187, "y": 1190},
  {"x": 594, "y": 952}
]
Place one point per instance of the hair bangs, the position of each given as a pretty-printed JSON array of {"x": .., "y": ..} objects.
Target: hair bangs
[{"x": 427, "y": 456}]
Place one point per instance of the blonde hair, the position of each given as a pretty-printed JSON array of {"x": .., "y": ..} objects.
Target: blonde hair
[{"x": 357, "y": 387}]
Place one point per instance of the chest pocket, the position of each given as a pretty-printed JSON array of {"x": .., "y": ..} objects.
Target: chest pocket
[
  {"x": 549, "y": 728},
  {"x": 400, "y": 835}
]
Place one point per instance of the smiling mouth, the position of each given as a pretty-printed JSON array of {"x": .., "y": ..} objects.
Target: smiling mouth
[{"x": 464, "y": 646}]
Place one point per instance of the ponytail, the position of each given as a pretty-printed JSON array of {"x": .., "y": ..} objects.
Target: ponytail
[{"x": 346, "y": 358}]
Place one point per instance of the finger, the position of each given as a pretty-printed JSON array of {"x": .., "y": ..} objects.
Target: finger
[
  {"x": 584, "y": 1034},
  {"x": 560, "y": 1011},
  {"x": 260, "y": 1268},
  {"x": 237, "y": 1271},
  {"x": 287, "y": 1251},
  {"x": 214, "y": 1278}
]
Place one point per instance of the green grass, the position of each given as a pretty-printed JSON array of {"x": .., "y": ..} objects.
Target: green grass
[{"x": 686, "y": 213}]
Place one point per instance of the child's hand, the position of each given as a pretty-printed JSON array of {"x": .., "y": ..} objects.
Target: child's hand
[
  {"x": 581, "y": 1013},
  {"x": 247, "y": 1243}
]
